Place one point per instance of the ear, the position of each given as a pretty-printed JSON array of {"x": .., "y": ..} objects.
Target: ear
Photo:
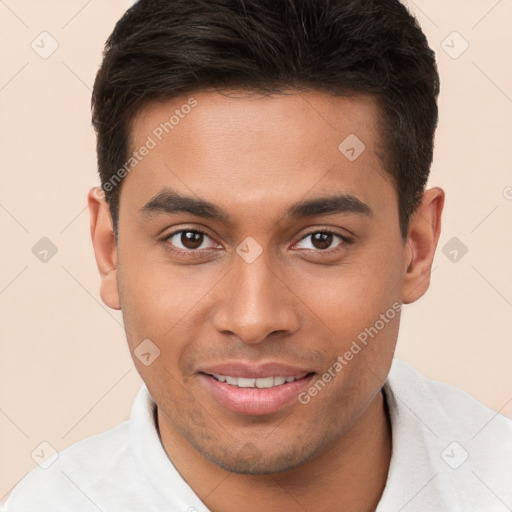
[
  {"x": 420, "y": 247},
  {"x": 105, "y": 250}
]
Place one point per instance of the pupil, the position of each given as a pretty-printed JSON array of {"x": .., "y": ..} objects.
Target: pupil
[
  {"x": 322, "y": 240},
  {"x": 191, "y": 239}
]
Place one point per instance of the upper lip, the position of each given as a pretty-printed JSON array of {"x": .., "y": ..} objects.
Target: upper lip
[{"x": 255, "y": 370}]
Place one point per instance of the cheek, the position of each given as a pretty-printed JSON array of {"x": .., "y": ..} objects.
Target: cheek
[
  {"x": 351, "y": 297},
  {"x": 161, "y": 303},
  {"x": 155, "y": 293}
]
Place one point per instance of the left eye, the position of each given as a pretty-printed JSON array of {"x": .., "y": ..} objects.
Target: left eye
[
  {"x": 322, "y": 240},
  {"x": 190, "y": 240}
]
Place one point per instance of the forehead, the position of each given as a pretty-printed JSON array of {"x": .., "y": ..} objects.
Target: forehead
[{"x": 245, "y": 149}]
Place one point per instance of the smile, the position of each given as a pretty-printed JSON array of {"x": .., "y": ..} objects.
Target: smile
[{"x": 262, "y": 393}]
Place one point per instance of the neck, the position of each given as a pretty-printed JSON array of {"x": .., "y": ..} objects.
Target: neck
[{"x": 350, "y": 475}]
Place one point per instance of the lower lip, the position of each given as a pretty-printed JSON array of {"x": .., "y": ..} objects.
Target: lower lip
[{"x": 255, "y": 401}]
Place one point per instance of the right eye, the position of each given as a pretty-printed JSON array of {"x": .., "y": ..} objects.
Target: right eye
[{"x": 188, "y": 241}]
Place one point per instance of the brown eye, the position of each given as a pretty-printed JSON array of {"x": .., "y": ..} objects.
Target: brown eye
[
  {"x": 188, "y": 240},
  {"x": 191, "y": 239},
  {"x": 322, "y": 241}
]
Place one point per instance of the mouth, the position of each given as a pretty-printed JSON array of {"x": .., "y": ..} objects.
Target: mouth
[{"x": 255, "y": 390}]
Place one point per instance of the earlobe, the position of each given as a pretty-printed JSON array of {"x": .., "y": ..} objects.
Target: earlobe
[
  {"x": 105, "y": 250},
  {"x": 420, "y": 247}
]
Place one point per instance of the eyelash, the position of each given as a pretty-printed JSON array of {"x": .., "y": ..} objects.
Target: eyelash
[{"x": 194, "y": 252}]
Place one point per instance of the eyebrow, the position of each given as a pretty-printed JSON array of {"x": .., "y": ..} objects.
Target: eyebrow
[{"x": 169, "y": 201}]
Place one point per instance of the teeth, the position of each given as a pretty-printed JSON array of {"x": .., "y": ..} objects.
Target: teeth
[
  {"x": 245, "y": 383},
  {"x": 264, "y": 382}
]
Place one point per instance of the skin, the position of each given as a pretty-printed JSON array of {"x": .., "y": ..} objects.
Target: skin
[{"x": 298, "y": 303}]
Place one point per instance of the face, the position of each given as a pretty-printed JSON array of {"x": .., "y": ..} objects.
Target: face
[{"x": 264, "y": 263}]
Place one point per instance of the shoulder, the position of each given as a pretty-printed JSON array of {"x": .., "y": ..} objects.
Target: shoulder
[
  {"x": 444, "y": 440},
  {"x": 70, "y": 478},
  {"x": 443, "y": 405}
]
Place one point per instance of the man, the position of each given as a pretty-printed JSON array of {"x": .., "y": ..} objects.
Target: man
[{"x": 262, "y": 219}]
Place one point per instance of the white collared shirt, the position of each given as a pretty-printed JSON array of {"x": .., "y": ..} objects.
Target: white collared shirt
[{"x": 449, "y": 454}]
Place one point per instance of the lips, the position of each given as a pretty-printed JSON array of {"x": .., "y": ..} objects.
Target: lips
[{"x": 254, "y": 389}]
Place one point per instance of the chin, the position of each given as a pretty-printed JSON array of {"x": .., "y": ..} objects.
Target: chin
[{"x": 250, "y": 460}]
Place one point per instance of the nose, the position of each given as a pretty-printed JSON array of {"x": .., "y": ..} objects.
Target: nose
[{"x": 254, "y": 302}]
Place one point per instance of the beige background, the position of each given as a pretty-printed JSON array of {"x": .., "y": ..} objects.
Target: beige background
[{"x": 65, "y": 372}]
